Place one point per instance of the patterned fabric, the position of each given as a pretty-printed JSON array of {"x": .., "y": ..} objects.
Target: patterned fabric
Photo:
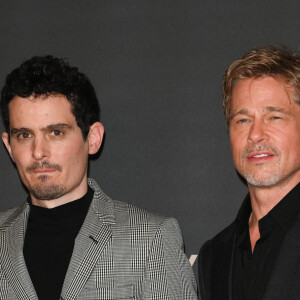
[{"x": 121, "y": 252}]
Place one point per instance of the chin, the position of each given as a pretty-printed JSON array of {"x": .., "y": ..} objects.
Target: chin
[
  {"x": 262, "y": 182},
  {"x": 47, "y": 192}
]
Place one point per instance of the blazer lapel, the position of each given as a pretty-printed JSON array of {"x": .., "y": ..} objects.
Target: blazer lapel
[
  {"x": 284, "y": 282},
  {"x": 222, "y": 266},
  {"x": 12, "y": 261},
  {"x": 90, "y": 243}
]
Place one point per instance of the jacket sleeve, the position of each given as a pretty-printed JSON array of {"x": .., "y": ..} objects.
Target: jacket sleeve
[{"x": 168, "y": 273}]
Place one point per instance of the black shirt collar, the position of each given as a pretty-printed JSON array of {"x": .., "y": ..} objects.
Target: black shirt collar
[
  {"x": 63, "y": 213},
  {"x": 286, "y": 211},
  {"x": 283, "y": 215}
]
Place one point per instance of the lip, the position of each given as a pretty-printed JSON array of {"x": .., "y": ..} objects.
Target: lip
[
  {"x": 260, "y": 156},
  {"x": 39, "y": 171}
]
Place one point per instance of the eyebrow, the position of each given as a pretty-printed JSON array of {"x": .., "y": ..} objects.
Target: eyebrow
[
  {"x": 267, "y": 109},
  {"x": 19, "y": 130},
  {"x": 50, "y": 127},
  {"x": 278, "y": 109},
  {"x": 57, "y": 127},
  {"x": 239, "y": 112}
]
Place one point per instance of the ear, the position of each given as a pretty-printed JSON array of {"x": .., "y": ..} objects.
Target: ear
[
  {"x": 5, "y": 139},
  {"x": 95, "y": 137}
]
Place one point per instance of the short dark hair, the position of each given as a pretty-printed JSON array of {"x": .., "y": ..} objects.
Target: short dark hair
[
  {"x": 48, "y": 76},
  {"x": 274, "y": 61}
]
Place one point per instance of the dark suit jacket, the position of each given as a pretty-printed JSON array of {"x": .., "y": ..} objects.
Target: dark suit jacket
[{"x": 216, "y": 265}]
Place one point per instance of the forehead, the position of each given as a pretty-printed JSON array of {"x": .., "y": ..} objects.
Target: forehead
[
  {"x": 261, "y": 92},
  {"x": 39, "y": 111}
]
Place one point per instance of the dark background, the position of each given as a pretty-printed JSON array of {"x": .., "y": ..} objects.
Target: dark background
[{"x": 157, "y": 68}]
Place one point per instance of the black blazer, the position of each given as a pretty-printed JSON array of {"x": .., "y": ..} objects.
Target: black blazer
[{"x": 216, "y": 264}]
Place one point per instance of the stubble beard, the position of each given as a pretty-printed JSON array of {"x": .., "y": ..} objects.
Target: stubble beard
[
  {"x": 45, "y": 191},
  {"x": 270, "y": 176},
  {"x": 267, "y": 181}
]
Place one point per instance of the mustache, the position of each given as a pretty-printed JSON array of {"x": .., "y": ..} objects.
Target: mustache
[
  {"x": 43, "y": 164},
  {"x": 261, "y": 147}
]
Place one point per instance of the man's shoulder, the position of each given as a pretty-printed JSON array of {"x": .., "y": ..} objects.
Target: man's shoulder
[
  {"x": 223, "y": 237},
  {"x": 130, "y": 219},
  {"x": 227, "y": 233},
  {"x": 212, "y": 253},
  {"x": 140, "y": 215},
  {"x": 122, "y": 210},
  {"x": 136, "y": 216},
  {"x": 8, "y": 216}
]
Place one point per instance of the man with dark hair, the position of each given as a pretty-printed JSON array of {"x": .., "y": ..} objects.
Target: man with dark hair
[
  {"x": 69, "y": 240},
  {"x": 257, "y": 256}
]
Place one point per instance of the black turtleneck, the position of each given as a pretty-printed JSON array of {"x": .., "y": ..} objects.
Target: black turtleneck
[{"x": 49, "y": 243}]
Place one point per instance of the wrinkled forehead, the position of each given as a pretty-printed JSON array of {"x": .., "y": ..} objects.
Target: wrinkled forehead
[
  {"x": 261, "y": 94},
  {"x": 266, "y": 85}
]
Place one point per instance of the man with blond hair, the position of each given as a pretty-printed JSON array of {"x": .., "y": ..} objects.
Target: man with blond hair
[{"x": 258, "y": 255}]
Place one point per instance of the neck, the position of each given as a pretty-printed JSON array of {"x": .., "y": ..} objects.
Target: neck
[
  {"x": 72, "y": 195},
  {"x": 263, "y": 199}
]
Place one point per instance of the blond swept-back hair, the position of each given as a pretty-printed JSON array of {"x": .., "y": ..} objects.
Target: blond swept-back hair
[{"x": 273, "y": 61}]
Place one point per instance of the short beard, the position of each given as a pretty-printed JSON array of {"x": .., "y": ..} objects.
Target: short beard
[
  {"x": 273, "y": 178},
  {"x": 263, "y": 182},
  {"x": 47, "y": 192}
]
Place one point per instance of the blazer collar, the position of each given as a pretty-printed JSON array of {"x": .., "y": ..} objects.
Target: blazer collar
[
  {"x": 102, "y": 204},
  {"x": 89, "y": 244},
  {"x": 93, "y": 237}
]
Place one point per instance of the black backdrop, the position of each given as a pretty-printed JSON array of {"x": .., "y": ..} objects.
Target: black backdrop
[{"x": 157, "y": 67}]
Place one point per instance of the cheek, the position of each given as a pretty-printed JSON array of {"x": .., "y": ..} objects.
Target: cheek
[
  {"x": 21, "y": 157},
  {"x": 236, "y": 149},
  {"x": 234, "y": 144},
  {"x": 290, "y": 147},
  {"x": 236, "y": 158},
  {"x": 71, "y": 159}
]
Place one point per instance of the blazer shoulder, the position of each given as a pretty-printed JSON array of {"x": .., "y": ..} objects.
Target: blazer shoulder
[
  {"x": 127, "y": 217},
  {"x": 9, "y": 216},
  {"x": 140, "y": 219},
  {"x": 137, "y": 214}
]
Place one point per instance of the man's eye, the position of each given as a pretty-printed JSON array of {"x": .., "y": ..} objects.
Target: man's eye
[
  {"x": 56, "y": 132},
  {"x": 23, "y": 135},
  {"x": 240, "y": 121},
  {"x": 275, "y": 118}
]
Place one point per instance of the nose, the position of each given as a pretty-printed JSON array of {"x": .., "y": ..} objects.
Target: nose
[
  {"x": 257, "y": 132},
  {"x": 40, "y": 148}
]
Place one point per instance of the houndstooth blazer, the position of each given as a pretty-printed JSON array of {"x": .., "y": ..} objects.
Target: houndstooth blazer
[{"x": 121, "y": 252}]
